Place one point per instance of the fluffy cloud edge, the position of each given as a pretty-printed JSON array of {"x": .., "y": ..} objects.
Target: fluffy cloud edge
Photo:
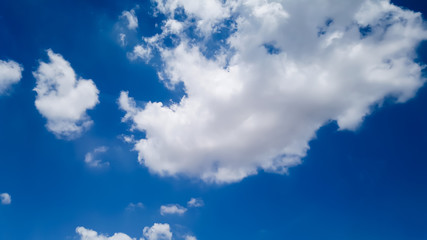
[
  {"x": 158, "y": 231},
  {"x": 10, "y": 74},
  {"x": 63, "y": 98},
  {"x": 172, "y": 209},
  {"x": 131, "y": 18},
  {"x": 231, "y": 123}
]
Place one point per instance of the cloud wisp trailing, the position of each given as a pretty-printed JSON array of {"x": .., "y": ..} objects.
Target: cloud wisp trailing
[
  {"x": 63, "y": 98},
  {"x": 284, "y": 68}
]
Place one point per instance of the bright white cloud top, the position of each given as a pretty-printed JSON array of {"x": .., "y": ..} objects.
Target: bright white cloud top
[
  {"x": 172, "y": 209},
  {"x": 159, "y": 231},
  {"x": 62, "y": 98},
  {"x": 5, "y": 198},
  {"x": 88, "y": 234},
  {"x": 10, "y": 73},
  {"x": 285, "y": 69}
]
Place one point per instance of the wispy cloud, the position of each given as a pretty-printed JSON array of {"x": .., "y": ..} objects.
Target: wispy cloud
[
  {"x": 195, "y": 202},
  {"x": 172, "y": 209},
  {"x": 134, "y": 206},
  {"x": 90, "y": 158},
  {"x": 5, "y": 198}
]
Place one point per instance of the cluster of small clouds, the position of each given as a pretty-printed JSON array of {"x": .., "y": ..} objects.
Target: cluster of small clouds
[
  {"x": 90, "y": 158},
  {"x": 131, "y": 21},
  {"x": 283, "y": 70},
  {"x": 5, "y": 198},
  {"x": 180, "y": 210},
  {"x": 10, "y": 73},
  {"x": 159, "y": 231},
  {"x": 62, "y": 98},
  {"x": 88, "y": 234}
]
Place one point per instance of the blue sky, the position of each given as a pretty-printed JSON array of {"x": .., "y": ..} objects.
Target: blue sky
[{"x": 280, "y": 119}]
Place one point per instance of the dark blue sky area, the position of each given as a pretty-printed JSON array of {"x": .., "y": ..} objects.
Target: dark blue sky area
[{"x": 367, "y": 184}]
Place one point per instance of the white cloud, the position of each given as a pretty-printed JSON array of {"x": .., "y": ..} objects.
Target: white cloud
[
  {"x": 134, "y": 206},
  {"x": 95, "y": 163},
  {"x": 189, "y": 237},
  {"x": 62, "y": 98},
  {"x": 207, "y": 13},
  {"x": 172, "y": 209},
  {"x": 139, "y": 51},
  {"x": 123, "y": 39},
  {"x": 10, "y": 73},
  {"x": 5, "y": 199},
  {"x": 195, "y": 202},
  {"x": 131, "y": 18},
  {"x": 159, "y": 231},
  {"x": 88, "y": 234},
  {"x": 286, "y": 69}
]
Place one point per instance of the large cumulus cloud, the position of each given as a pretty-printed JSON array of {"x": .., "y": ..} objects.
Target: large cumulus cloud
[{"x": 281, "y": 70}]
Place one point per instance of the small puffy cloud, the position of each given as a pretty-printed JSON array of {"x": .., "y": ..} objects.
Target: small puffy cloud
[
  {"x": 131, "y": 18},
  {"x": 172, "y": 209},
  {"x": 5, "y": 199},
  {"x": 95, "y": 163},
  {"x": 134, "y": 206},
  {"x": 88, "y": 234},
  {"x": 10, "y": 73},
  {"x": 62, "y": 98},
  {"x": 140, "y": 51},
  {"x": 159, "y": 231},
  {"x": 195, "y": 202},
  {"x": 284, "y": 68},
  {"x": 127, "y": 138}
]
